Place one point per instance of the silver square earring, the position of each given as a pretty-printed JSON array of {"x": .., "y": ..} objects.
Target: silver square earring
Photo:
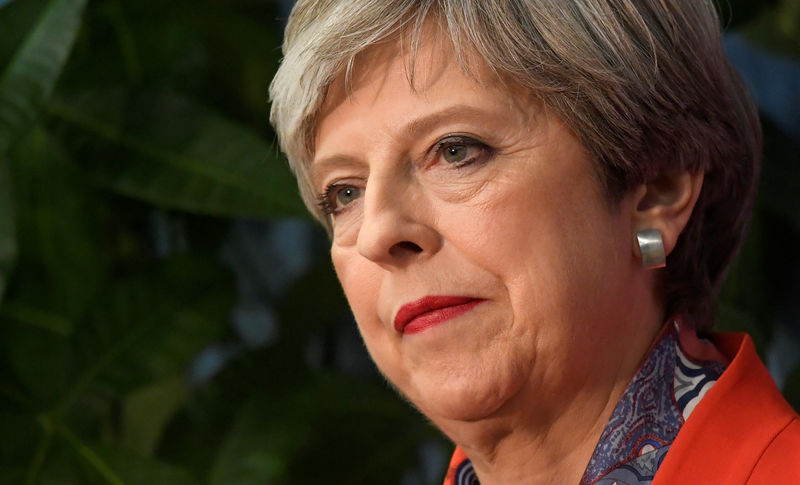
[{"x": 651, "y": 247}]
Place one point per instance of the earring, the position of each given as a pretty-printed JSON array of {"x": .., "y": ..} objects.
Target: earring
[{"x": 651, "y": 246}]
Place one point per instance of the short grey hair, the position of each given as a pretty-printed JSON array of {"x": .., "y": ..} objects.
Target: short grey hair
[{"x": 644, "y": 84}]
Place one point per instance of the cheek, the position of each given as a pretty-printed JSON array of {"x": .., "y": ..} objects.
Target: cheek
[
  {"x": 548, "y": 242},
  {"x": 354, "y": 280},
  {"x": 360, "y": 281}
]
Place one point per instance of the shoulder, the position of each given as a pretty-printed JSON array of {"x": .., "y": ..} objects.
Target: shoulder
[
  {"x": 780, "y": 462},
  {"x": 742, "y": 432}
]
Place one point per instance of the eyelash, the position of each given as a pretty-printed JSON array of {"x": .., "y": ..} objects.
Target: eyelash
[
  {"x": 325, "y": 199},
  {"x": 462, "y": 140}
]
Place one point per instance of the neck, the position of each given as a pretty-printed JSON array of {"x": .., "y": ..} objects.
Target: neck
[
  {"x": 513, "y": 448},
  {"x": 526, "y": 442}
]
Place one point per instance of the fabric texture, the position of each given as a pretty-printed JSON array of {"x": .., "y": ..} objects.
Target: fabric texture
[
  {"x": 676, "y": 374},
  {"x": 741, "y": 429},
  {"x": 743, "y": 432}
]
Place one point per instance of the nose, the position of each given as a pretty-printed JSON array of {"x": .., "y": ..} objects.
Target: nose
[{"x": 398, "y": 225}]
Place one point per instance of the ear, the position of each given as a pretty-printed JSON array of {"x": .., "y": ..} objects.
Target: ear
[{"x": 666, "y": 203}]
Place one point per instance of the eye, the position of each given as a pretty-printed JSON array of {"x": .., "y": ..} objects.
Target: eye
[
  {"x": 460, "y": 151},
  {"x": 347, "y": 194},
  {"x": 455, "y": 153},
  {"x": 337, "y": 197}
]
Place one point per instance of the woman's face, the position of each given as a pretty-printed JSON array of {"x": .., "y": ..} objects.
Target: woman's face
[{"x": 464, "y": 197}]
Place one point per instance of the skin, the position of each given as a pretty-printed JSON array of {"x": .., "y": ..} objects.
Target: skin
[{"x": 526, "y": 381}]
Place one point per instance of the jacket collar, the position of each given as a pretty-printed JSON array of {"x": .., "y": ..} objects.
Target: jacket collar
[{"x": 738, "y": 419}]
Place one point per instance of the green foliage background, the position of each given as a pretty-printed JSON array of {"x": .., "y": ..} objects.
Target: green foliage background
[{"x": 114, "y": 113}]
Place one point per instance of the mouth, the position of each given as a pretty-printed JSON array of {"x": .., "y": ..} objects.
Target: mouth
[{"x": 430, "y": 311}]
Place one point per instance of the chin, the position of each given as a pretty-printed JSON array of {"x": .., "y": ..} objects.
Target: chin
[{"x": 468, "y": 396}]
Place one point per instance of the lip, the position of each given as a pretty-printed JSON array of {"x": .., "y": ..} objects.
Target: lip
[{"x": 430, "y": 311}]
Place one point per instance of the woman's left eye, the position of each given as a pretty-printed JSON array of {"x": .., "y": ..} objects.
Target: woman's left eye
[
  {"x": 461, "y": 151},
  {"x": 455, "y": 153}
]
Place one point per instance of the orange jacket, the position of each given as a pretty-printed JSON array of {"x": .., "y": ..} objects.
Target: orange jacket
[{"x": 742, "y": 432}]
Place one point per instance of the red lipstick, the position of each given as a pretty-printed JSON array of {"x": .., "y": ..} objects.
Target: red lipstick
[{"x": 430, "y": 311}]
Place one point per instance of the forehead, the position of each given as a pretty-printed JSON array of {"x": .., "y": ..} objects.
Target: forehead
[
  {"x": 434, "y": 83},
  {"x": 395, "y": 60}
]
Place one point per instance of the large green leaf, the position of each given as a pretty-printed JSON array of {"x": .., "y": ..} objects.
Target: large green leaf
[
  {"x": 132, "y": 468},
  {"x": 74, "y": 460},
  {"x": 40, "y": 360},
  {"x": 146, "y": 411},
  {"x": 148, "y": 327},
  {"x": 165, "y": 149},
  {"x": 60, "y": 266},
  {"x": 61, "y": 233},
  {"x": 16, "y": 453},
  {"x": 330, "y": 430},
  {"x": 16, "y": 21},
  {"x": 113, "y": 378},
  {"x": 8, "y": 241},
  {"x": 25, "y": 83},
  {"x": 31, "y": 75}
]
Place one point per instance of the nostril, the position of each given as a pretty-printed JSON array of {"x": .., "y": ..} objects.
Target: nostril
[{"x": 404, "y": 247}]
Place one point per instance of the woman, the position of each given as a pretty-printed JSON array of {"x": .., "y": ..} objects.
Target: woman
[{"x": 504, "y": 183}]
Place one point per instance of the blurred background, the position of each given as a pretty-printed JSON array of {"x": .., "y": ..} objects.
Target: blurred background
[{"x": 168, "y": 312}]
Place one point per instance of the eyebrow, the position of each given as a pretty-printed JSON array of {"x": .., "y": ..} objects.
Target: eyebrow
[
  {"x": 329, "y": 163},
  {"x": 427, "y": 122}
]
